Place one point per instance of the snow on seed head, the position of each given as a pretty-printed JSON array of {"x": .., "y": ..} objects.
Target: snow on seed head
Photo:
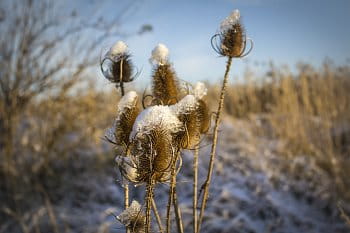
[
  {"x": 160, "y": 55},
  {"x": 132, "y": 216},
  {"x": 156, "y": 117},
  {"x": 230, "y": 20},
  {"x": 127, "y": 101},
  {"x": 118, "y": 48},
  {"x": 185, "y": 105},
  {"x": 200, "y": 90}
]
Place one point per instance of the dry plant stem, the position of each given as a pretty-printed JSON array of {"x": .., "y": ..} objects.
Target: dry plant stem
[
  {"x": 126, "y": 185},
  {"x": 149, "y": 197},
  {"x": 178, "y": 216},
  {"x": 121, "y": 84},
  {"x": 171, "y": 194},
  {"x": 156, "y": 213},
  {"x": 126, "y": 201},
  {"x": 213, "y": 148},
  {"x": 170, "y": 200},
  {"x": 195, "y": 188}
]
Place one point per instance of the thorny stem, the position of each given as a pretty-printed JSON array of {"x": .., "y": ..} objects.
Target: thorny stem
[
  {"x": 126, "y": 201},
  {"x": 178, "y": 217},
  {"x": 195, "y": 188},
  {"x": 156, "y": 213},
  {"x": 126, "y": 185},
  {"x": 149, "y": 197},
  {"x": 213, "y": 148},
  {"x": 171, "y": 193}
]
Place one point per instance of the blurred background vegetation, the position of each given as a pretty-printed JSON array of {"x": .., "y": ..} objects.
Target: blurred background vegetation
[{"x": 53, "y": 116}]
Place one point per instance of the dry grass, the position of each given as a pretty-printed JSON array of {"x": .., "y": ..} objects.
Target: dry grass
[{"x": 309, "y": 110}]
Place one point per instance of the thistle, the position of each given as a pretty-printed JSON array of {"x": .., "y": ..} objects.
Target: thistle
[
  {"x": 127, "y": 112},
  {"x": 193, "y": 113},
  {"x": 164, "y": 83},
  {"x": 231, "y": 41},
  {"x": 120, "y": 68}
]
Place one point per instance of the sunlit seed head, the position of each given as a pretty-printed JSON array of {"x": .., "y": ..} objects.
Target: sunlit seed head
[
  {"x": 160, "y": 55},
  {"x": 118, "y": 48},
  {"x": 230, "y": 20}
]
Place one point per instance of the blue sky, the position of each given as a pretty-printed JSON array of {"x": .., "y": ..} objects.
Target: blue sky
[{"x": 284, "y": 31}]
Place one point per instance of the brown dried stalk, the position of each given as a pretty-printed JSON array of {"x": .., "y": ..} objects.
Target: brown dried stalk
[{"x": 206, "y": 184}]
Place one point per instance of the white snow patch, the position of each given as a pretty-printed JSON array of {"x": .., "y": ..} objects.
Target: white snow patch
[
  {"x": 127, "y": 101},
  {"x": 160, "y": 54},
  {"x": 185, "y": 105},
  {"x": 155, "y": 117},
  {"x": 127, "y": 215},
  {"x": 200, "y": 90},
  {"x": 230, "y": 20},
  {"x": 118, "y": 48}
]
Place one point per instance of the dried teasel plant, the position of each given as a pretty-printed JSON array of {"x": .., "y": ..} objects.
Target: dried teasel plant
[
  {"x": 231, "y": 43},
  {"x": 127, "y": 112},
  {"x": 117, "y": 67},
  {"x": 231, "y": 40},
  {"x": 164, "y": 82}
]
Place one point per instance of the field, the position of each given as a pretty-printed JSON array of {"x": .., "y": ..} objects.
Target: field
[{"x": 249, "y": 152}]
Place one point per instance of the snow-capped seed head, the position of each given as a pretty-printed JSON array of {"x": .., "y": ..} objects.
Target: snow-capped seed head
[
  {"x": 200, "y": 90},
  {"x": 160, "y": 54},
  {"x": 118, "y": 48},
  {"x": 132, "y": 216},
  {"x": 185, "y": 105},
  {"x": 156, "y": 117},
  {"x": 230, "y": 20},
  {"x": 127, "y": 101}
]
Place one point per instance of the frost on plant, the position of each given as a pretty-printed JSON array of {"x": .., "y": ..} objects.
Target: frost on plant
[
  {"x": 230, "y": 20},
  {"x": 156, "y": 117},
  {"x": 160, "y": 55},
  {"x": 119, "y": 48},
  {"x": 133, "y": 217},
  {"x": 200, "y": 90}
]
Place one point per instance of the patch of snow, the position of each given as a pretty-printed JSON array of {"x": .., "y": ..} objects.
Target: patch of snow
[
  {"x": 185, "y": 105},
  {"x": 160, "y": 54},
  {"x": 200, "y": 90},
  {"x": 156, "y": 117},
  {"x": 230, "y": 20},
  {"x": 118, "y": 48}
]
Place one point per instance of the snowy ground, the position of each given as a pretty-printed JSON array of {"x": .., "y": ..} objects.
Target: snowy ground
[{"x": 253, "y": 190}]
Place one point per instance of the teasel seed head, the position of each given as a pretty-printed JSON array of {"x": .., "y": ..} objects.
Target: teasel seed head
[
  {"x": 152, "y": 146},
  {"x": 119, "y": 68},
  {"x": 126, "y": 114},
  {"x": 231, "y": 40},
  {"x": 191, "y": 111},
  {"x": 133, "y": 217},
  {"x": 164, "y": 82},
  {"x": 127, "y": 168}
]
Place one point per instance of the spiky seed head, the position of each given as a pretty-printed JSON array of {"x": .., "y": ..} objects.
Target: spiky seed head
[
  {"x": 231, "y": 39},
  {"x": 120, "y": 68},
  {"x": 160, "y": 55},
  {"x": 126, "y": 116},
  {"x": 133, "y": 217},
  {"x": 153, "y": 152},
  {"x": 203, "y": 116},
  {"x": 164, "y": 85}
]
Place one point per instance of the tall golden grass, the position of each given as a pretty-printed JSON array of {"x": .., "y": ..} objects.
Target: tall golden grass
[{"x": 308, "y": 109}]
